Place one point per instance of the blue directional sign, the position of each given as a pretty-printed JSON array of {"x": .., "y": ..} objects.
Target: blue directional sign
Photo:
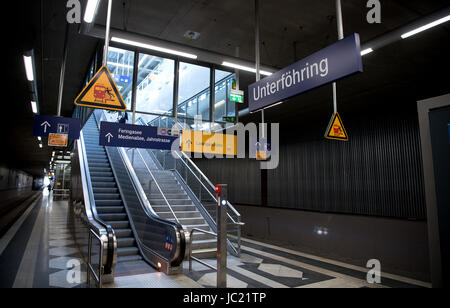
[
  {"x": 45, "y": 125},
  {"x": 135, "y": 136},
  {"x": 325, "y": 66}
]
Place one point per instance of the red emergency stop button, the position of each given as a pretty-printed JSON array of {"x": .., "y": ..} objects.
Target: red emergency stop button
[{"x": 218, "y": 189}]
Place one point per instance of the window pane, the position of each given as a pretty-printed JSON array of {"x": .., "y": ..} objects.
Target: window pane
[
  {"x": 155, "y": 84},
  {"x": 193, "y": 91},
  {"x": 120, "y": 64},
  {"x": 223, "y": 105}
]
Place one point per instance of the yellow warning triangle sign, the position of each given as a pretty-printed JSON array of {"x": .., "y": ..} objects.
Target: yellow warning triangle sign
[
  {"x": 102, "y": 93},
  {"x": 336, "y": 129}
]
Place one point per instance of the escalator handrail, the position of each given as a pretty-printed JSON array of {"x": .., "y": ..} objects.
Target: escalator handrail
[{"x": 101, "y": 228}]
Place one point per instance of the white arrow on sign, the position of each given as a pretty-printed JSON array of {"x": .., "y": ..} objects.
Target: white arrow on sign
[
  {"x": 46, "y": 124},
  {"x": 109, "y": 136}
]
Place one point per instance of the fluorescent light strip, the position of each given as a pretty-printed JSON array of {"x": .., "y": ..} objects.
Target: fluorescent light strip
[
  {"x": 245, "y": 68},
  {"x": 29, "y": 68},
  {"x": 34, "y": 107},
  {"x": 39, "y": 138},
  {"x": 90, "y": 11},
  {"x": 426, "y": 27},
  {"x": 366, "y": 51},
  {"x": 40, "y": 145},
  {"x": 152, "y": 47}
]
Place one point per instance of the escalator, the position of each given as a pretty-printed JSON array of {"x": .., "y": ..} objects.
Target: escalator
[{"x": 108, "y": 201}]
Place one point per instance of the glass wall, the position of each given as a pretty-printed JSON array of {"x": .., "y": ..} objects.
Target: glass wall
[
  {"x": 155, "y": 84},
  {"x": 223, "y": 106},
  {"x": 193, "y": 91},
  {"x": 121, "y": 64}
]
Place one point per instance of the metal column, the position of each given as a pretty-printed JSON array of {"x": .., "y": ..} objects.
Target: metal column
[
  {"x": 222, "y": 201},
  {"x": 340, "y": 28},
  {"x": 107, "y": 35},
  {"x": 63, "y": 72}
]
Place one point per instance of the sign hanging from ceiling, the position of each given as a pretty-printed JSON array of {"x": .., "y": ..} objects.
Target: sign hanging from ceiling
[
  {"x": 45, "y": 125},
  {"x": 101, "y": 93},
  {"x": 136, "y": 136},
  {"x": 208, "y": 143},
  {"x": 336, "y": 130},
  {"x": 58, "y": 140},
  {"x": 325, "y": 66}
]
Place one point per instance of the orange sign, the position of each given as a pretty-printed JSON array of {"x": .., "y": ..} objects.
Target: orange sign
[
  {"x": 58, "y": 140},
  {"x": 101, "y": 93},
  {"x": 208, "y": 143},
  {"x": 336, "y": 130}
]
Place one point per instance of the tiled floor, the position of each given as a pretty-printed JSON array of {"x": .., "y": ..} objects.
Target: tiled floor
[{"x": 39, "y": 251}]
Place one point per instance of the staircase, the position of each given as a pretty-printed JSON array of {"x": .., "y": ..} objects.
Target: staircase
[
  {"x": 108, "y": 201},
  {"x": 204, "y": 245}
]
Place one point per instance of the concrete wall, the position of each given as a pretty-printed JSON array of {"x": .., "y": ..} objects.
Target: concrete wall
[{"x": 400, "y": 245}]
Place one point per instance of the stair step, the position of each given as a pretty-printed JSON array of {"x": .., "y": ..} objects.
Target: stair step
[
  {"x": 202, "y": 227},
  {"x": 171, "y": 201},
  {"x": 127, "y": 251},
  {"x": 180, "y": 214},
  {"x": 205, "y": 253},
  {"x": 188, "y": 221},
  {"x": 175, "y": 208}
]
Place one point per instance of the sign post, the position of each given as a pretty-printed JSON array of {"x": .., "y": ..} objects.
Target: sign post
[{"x": 222, "y": 201}]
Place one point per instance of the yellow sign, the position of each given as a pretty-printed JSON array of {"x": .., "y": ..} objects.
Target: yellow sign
[
  {"x": 208, "y": 143},
  {"x": 336, "y": 129},
  {"x": 101, "y": 93},
  {"x": 58, "y": 140},
  {"x": 261, "y": 155}
]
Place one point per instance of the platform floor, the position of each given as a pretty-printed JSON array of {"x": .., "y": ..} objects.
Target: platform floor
[{"x": 39, "y": 252}]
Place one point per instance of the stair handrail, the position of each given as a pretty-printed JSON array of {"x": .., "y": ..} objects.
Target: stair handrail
[
  {"x": 157, "y": 185},
  {"x": 210, "y": 184}
]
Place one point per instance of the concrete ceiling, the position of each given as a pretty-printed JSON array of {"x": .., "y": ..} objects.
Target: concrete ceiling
[{"x": 291, "y": 30}]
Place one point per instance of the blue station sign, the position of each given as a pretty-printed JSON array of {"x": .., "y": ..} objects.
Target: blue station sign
[
  {"x": 45, "y": 125},
  {"x": 335, "y": 62},
  {"x": 135, "y": 136}
]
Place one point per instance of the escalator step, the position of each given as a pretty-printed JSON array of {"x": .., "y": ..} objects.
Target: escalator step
[
  {"x": 119, "y": 224},
  {"x": 129, "y": 258},
  {"x": 125, "y": 242},
  {"x": 123, "y": 232},
  {"x": 110, "y": 209},
  {"x": 106, "y": 190},
  {"x": 108, "y": 203},
  {"x": 113, "y": 217},
  {"x": 127, "y": 251}
]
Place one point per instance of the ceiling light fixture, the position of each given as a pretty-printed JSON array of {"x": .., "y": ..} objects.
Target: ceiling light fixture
[
  {"x": 245, "y": 68},
  {"x": 426, "y": 27},
  {"x": 34, "y": 107},
  {"x": 28, "y": 60},
  {"x": 91, "y": 8},
  {"x": 153, "y": 47},
  {"x": 366, "y": 51}
]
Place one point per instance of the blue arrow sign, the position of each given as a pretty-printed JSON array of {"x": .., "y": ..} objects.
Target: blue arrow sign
[
  {"x": 325, "y": 66},
  {"x": 135, "y": 136},
  {"x": 45, "y": 125}
]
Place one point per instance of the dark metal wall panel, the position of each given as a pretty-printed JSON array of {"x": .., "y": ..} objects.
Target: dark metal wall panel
[
  {"x": 377, "y": 173},
  {"x": 241, "y": 175}
]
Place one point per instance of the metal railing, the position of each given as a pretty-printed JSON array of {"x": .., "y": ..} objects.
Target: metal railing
[
  {"x": 156, "y": 182},
  {"x": 190, "y": 249},
  {"x": 98, "y": 276},
  {"x": 204, "y": 191}
]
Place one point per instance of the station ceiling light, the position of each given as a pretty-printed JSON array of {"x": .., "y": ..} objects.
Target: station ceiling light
[
  {"x": 28, "y": 60},
  {"x": 91, "y": 8},
  {"x": 245, "y": 68},
  {"x": 34, "y": 107},
  {"x": 426, "y": 27},
  {"x": 153, "y": 47},
  {"x": 366, "y": 51}
]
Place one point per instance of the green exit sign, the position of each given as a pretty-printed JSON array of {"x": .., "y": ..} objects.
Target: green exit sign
[{"x": 237, "y": 96}]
